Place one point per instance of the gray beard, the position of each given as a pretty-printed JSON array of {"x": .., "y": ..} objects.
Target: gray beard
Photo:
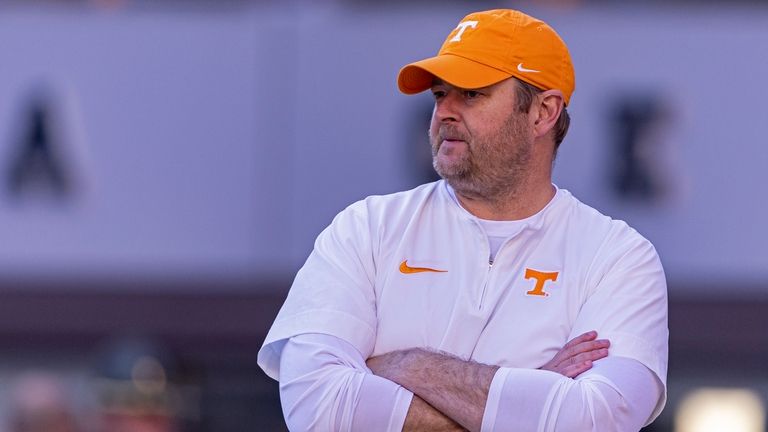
[{"x": 495, "y": 174}]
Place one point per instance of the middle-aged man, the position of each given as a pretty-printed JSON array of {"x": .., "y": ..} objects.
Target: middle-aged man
[{"x": 444, "y": 307}]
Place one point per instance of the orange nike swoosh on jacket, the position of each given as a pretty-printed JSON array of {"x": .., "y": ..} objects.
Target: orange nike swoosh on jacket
[{"x": 404, "y": 268}]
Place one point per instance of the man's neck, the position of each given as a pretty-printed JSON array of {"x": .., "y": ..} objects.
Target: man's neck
[{"x": 513, "y": 205}]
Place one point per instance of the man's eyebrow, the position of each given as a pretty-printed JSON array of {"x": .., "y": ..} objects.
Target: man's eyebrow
[{"x": 437, "y": 81}]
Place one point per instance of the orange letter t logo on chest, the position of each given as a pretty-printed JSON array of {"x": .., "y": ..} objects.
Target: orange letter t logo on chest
[{"x": 541, "y": 279}]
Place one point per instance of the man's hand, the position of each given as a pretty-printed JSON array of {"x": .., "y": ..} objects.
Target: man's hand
[{"x": 578, "y": 354}]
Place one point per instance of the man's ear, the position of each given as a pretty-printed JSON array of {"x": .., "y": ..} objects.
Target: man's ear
[{"x": 547, "y": 108}]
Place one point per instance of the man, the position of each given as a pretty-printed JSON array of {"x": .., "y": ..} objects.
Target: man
[{"x": 462, "y": 294}]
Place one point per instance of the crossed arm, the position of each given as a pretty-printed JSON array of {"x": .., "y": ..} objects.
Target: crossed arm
[
  {"x": 442, "y": 383},
  {"x": 325, "y": 385}
]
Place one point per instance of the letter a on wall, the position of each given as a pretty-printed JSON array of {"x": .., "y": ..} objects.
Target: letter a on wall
[{"x": 36, "y": 164}]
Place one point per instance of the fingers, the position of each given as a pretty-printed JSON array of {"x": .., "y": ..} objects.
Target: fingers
[
  {"x": 579, "y": 352},
  {"x": 584, "y": 343},
  {"x": 578, "y": 355},
  {"x": 575, "y": 346},
  {"x": 593, "y": 355},
  {"x": 579, "y": 364},
  {"x": 577, "y": 369},
  {"x": 584, "y": 337}
]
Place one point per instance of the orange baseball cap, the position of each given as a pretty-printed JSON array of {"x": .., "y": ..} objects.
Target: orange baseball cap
[{"x": 491, "y": 46}]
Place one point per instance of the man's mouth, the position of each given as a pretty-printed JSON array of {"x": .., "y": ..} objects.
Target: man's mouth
[{"x": 449, "y": 145}]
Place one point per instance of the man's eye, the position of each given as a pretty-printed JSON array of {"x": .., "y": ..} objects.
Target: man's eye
[
  {"x": 438, "y": 94},
  {"x": 471, "y": 94}
]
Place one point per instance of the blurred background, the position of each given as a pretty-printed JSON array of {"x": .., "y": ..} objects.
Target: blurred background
[{"x": 166, "y": 165}]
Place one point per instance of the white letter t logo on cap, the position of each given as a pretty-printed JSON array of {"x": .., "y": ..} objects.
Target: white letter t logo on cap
[{"x": 463, "y": 26}]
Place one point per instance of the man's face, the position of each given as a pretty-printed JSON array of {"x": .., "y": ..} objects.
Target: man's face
[{"x": 481, "y": 144}]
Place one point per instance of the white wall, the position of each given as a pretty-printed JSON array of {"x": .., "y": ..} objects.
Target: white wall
[{"x": 219, "y": 144}]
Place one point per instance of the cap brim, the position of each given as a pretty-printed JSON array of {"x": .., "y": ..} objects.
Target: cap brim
[{"x": 458, "y": 71}]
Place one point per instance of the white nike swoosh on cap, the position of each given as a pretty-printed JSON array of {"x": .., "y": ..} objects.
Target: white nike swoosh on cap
[{"x": 522, "y": 69}]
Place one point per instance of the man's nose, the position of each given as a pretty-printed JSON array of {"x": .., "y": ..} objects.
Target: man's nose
[{"x": 448, "y": 107}]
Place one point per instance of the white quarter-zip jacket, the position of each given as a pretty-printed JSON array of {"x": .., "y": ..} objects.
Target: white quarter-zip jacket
[{"x": 412, "y": 269}]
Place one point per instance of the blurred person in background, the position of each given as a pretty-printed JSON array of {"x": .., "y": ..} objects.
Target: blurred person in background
[
  {"x": 41, "y": 402},
  {"x": 136, "y": 389},
  {"x": 474, "y": 302}
]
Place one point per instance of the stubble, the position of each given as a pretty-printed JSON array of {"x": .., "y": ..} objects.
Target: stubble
[{"x": 494, "y": 166}]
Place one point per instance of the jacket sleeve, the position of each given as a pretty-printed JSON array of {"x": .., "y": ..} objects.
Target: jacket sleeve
[
  {"x": 617, "y": 394},
  {"x": 326, "y": 386},
  {"x": 333, "y": 292}
]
